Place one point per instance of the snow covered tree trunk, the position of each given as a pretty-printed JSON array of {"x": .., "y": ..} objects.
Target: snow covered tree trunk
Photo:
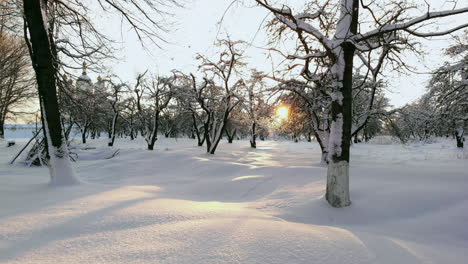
[
  {"x": 112, "y": 136},
  {"x": 323, "y": 138},
  {"x": 340, "y": 137},
  {"x": 200, "y": 140},
  {"x": 337, "y": 193},
  {"x": 84, "y": 131},
  {"x": 216, "y": 137},
  {"x": 217, "y": 130},
  {"x": 206, "y": 132},
  {"x": 42, "y": 51}
]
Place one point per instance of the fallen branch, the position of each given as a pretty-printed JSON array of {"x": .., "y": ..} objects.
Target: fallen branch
[{"x": 27, "y": 144}]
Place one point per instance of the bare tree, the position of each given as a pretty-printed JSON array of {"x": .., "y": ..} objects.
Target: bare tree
[
  {"x": 116, "y": 102},
  {"x": 10, "y": 17},
  {"x": 448, "y": 91},
  {"x": 225, "y": 70},
  {"x": 338, "y": 45},
  {"x": 16, "y": 82},
  {"x": 216, "y": 101},
  {"x": 316, "y": 103},
  {"x": 255, "y": 104},
  {"x": 187, "y": 100},
  {"x": 158, "y": 92},
  {"x": 42, "y": 20}
]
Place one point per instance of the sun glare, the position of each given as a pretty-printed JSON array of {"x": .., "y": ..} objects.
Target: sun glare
[{"x": 282, "y": 112}]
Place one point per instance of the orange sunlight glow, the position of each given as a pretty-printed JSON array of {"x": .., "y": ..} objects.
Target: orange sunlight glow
[{"x": 282, "y": 113}]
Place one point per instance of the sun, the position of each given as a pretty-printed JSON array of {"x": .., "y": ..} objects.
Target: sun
[{"x": 282, "y": 113}]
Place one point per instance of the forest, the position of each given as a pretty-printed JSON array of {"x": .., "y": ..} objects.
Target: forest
[{"x": 294, "y": 148}]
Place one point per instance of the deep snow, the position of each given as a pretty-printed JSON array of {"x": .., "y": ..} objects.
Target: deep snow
[{"x": 180, "y": 205}]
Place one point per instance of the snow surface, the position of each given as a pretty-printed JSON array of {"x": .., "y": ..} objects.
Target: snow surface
[{"x": 180, "y": 205}]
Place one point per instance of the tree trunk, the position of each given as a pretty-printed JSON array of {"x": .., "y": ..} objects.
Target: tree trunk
[
  {"x": 200, "y": 143},
  {"x": 459, "y": 136},
  {"x": 42, "y": 51},
  {"x": 217, "y": 136},
  {"x": 152, "y": 140},
  {"x": 253, "y": 139},
  {"x": 67, "y": 130},
  {"x": 365, "y": 134},
  {"x": 154, "y": 134},
  {"x": 84, "y": 132},
  {"x": 323, "y": 147},
  {"x": 207, "y": 135},
  {"x": 197, "y": 131},
  {"x": 111, "y": 141},
  {"x": 230, "y": 136},
  {"x": 132, "y": 136},
  {"x": 340, "y": 137},
  {"x": 2, "y": 130},
  {"x": 83, "y": 135},
  {"x": 337, "y": 193}
]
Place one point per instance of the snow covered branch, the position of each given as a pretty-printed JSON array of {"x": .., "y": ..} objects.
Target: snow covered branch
[{"x": 415, "y": 21}]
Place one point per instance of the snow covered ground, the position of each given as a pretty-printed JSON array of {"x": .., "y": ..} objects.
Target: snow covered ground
[{"x": 180, "y": 205}]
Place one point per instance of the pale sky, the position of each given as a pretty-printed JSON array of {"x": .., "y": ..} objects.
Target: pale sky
[{"x": 196, "y": 29}]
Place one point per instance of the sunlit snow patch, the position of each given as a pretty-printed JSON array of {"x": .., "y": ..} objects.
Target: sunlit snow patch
[{"x": 247, "y": 177}]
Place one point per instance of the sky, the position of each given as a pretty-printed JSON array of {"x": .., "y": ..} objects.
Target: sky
[{"x": 196, "y": 27}]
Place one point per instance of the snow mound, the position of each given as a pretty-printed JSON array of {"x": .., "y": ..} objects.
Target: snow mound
[{"x": 89, "y": 153}]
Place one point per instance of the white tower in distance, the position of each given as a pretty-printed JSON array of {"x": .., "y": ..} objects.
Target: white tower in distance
[
  {"x": 100, "y": 86},
  {"x": 84, "y": 83}
]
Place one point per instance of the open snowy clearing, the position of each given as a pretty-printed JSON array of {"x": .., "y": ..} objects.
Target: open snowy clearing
[{"x": 180, "y": 205}]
